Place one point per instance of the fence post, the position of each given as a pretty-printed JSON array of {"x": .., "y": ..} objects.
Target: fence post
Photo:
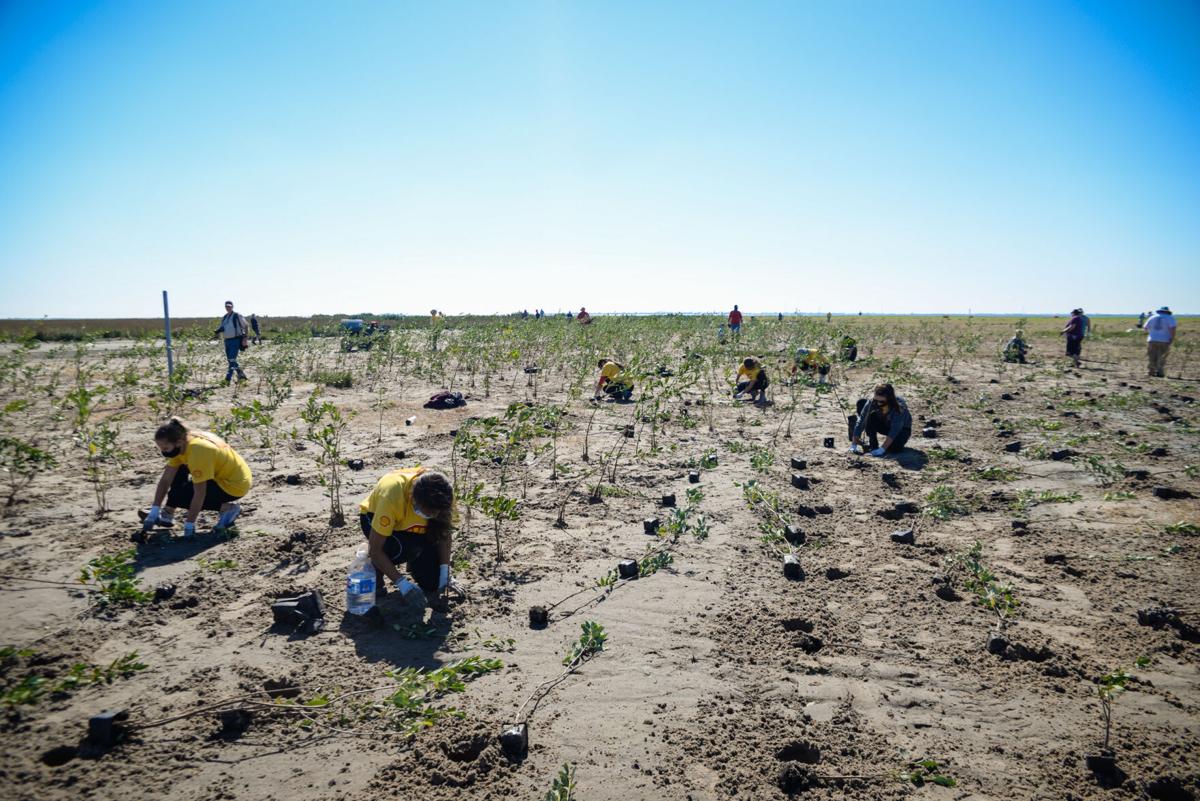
[{"x": 167, "y": 329}]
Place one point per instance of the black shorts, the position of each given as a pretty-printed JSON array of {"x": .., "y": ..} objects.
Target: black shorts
[{"x": 182, "y": 490}]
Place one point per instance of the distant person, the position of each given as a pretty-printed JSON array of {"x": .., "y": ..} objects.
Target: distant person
[
  {"x": 254, "y": 327},
  {"x": 234, "y": 332},
  {"x": 569, "y": 315},
  {"x": 1160, "y": 333},
  {"x": 735, "y": 321},
  {"x": 781, "y": 317},
  {"x": 887, "y": 414},
  {"x": 811, "y": 361},
  {"x": 752, "y": 377},
  {"x": 613, "y": 381},
  {"x": 1087, "y": 323},
  {"x": 436, "y": 317},
  {"x": 1141, "y": 319},
  {"x": 203, "y": 473},
  {"x": 1073, "y": 331},
  {"x": 408, "y": 519},
  {"x": 828, "y": 317},
  {"x": 849, "y": 347},
  {"x": 583, "y": 317},
  {"x": 1016, "y": 348},
  {"x": 722, "y": 333}
]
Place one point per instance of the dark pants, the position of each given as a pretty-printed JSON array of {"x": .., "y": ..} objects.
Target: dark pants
[
  {"x": 415, "y": 550},
  {"x": 1074, "y": 346},
  {"x": 182, "y": 490},
  {"x": 760, "y": 383},
  {"x": 878, "y": 424},
  {"x": 232, "y": 346},
  {"x": 618, "y": 391}
]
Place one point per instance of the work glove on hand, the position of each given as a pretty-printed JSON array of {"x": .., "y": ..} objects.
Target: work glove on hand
[
  {"x": 152, "y": 517},
  {"x": 189, "y": 530},
  {"x": 878, "y": 452},
  {"x": 856, "y": 448}
]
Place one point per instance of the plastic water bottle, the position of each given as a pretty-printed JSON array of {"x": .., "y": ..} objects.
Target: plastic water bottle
[{"x": 360, "y": 584}]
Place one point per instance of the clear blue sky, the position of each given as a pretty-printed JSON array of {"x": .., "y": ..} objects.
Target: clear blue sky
[{"x": 304, "y": 157}]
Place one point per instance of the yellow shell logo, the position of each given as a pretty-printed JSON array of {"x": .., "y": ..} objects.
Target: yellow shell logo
[{"x": 385, "y": 521}]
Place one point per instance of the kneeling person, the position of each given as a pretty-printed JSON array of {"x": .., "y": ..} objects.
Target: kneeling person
[
  {"x": 407, "y": 519},
  {"x": 752, "y": 377},
  {"x": 613, "y": 381},
  {"x": 203, "y": 473},
  {"x": 809, "y": 360},
  {"x": 886, "y": 414}
]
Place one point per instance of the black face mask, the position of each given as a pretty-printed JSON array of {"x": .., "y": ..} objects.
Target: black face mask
[{"x": 171, "y": 454}]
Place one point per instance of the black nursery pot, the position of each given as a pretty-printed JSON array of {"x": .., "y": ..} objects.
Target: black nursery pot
[
  {"x": 829, "y": 442},
  {"x": 539, "y": 616},
  {"x": 515, "y": 740},
  {"x": 694, "y": 477},
  {"x": 650, "y": 525},
  {"x": 627, "y": 569},
  {"x": 799, "y": 464},
  {"x": 851, "y": 422},
  {"x": 794, "y": 534},
  {"x": 799, "y": 481},
  {"x": 791, "y": 567},
  {"x": 668, "y": 500}
]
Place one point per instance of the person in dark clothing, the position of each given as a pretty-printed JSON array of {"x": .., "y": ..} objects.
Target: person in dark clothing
[
  {"x": 254, "y": 328},
  {"x": 885, "y": 413},
  {"x": 1016, "y": 349},
  {"x": 1074, "y": 331}
]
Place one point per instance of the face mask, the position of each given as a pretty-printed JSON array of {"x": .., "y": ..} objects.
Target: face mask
[{"x": 171, "y": 454}]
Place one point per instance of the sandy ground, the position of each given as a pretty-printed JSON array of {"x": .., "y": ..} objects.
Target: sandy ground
[{"x": 720, "y": 679}]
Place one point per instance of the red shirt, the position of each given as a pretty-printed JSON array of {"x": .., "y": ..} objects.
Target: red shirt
[{"x": 735, "y": 317}]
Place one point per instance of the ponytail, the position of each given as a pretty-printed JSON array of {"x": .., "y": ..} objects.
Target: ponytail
[{"x": 174, "y": 430}]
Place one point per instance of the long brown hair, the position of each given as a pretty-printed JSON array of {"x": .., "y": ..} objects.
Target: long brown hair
[
  {"x": 174, "y": 430},
  {"x": 887, "y": 391}
]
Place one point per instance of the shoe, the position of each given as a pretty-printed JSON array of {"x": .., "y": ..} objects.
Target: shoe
[
  {"x": 226, "y": 381},
  {"x": 227, "y": 517},
  {"x": 241, "y": 377}
]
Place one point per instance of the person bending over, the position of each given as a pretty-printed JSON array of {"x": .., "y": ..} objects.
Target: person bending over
[
  {"x": 613, "y": 381},
  {"x": 752, "y": 378},
  {"x": 887, "y": 414}
]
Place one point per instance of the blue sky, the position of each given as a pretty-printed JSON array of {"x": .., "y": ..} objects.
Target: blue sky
[{"x": 305, "y": 157}]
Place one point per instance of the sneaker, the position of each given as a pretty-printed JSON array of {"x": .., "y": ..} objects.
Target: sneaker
[{"x": 227, "y": 517}]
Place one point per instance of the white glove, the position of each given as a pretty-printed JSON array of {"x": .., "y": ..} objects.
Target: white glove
[
  {"x": 189, "y": 530},
  {"x": 856, "y": 448},
  {"x": 443, "y": 576},
  {"x": 878, "y": 452},
  {"x": 405, "y": 586},
  {"x": 152, "y": 517}
]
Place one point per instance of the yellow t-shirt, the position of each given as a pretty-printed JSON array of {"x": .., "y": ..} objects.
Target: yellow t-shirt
[
  {"x": 813, "y": 359},
  {"x": 391, "y": 503},
  {"x": 611, "y": 371},
  {"x": 209, "y": 458},
  {"x": 751, "y": 373}
]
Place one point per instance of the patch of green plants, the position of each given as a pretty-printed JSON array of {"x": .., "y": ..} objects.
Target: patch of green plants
[
  {"x": 338, "y": 379},
  {"x": 21, "y": 462},
  {"x": 414, "y": 631},
  {"x": 498, "y": 644},
  {"x": 563, "y": 786},
  {"x": 591, "y": 642},
  {"x": 761, "y": 459},
  {"x": 31, "y": 688},
  {"x": 651, "y": 564},
  {"x": 1054, "y": 496},
  {"x": 995, "y": 474},
  {"x": 215, "y": 565},
  {"x": 115, "y": 575},
  {"x": 925, "y": 771},
  {"x": 942, "y": 503},
  {"x": 1182, "y": 527},
  {"x": 943, "y": 454},
  {"x": 1000, "y": 599},
  {"x": 410, "y": 708},
  {"x": 1119, "y": 495}
]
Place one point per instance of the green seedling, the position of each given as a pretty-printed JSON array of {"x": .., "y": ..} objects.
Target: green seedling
[
  {"x": 650, "y": 565},
  {"x": 115, "y": 575},
  {"x": 563, "y": 786},
  {"x": 942, "y": 503},
  {"x": 1120, "y": 495},
  {"x": 414, "y": 631},
  {"x": 21, "y": 462},
  {"x": 1108, "y": 688},
  {"x": 1182, "y": 527},
  {"x": 591, "y": 642},
  {"x": 325, "y": 424},
  {"x": 996, "y": 474},
  {"x": 922, "y": 771},
  {"x": 500, "y": 645},
  {"x": 215, "y": 565}
]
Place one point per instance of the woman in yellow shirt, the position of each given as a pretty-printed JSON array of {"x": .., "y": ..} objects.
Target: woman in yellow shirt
[
  {"x": 752, "y": 378},
  {"x": 202, "y": 474},
  {"x": 613, "y": 381},
  {"x": 408, "y": 518}
]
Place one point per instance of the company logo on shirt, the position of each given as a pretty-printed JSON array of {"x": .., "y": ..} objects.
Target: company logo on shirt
[{"x": 385, "y": 521}]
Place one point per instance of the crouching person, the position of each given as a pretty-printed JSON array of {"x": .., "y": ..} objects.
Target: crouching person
[
  {"x": 810, "y": 361},
  {"x": 887, "y": 414},
  {"x": 203, "y": 473},
  {"x": 407, "y": 519},
  {"x": 752, "y": 378},
  {"x": 613, "y": 382}
]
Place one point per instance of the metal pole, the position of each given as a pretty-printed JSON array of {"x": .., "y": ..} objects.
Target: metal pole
[{"x": 167, "y": 328}]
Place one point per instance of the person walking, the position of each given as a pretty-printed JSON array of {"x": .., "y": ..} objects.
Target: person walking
[
  {"x": 203, "y": 473},
  {"x": 1160, "y": 333},
  {"x": 885, "y": 413},
  {"x": 254, "y": 327},
  {"x": 234, "y": 332},
  {"x": 1073, "y": 331},
  {"x": 735, "y": 321}
]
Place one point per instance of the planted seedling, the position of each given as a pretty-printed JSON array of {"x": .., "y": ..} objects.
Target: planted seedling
[
  {"x": 922, "y": 771},
  {"x": 591, "y": 642},
  {"x": 563, "y": 786},
  {"x": 115, "y": 575}
]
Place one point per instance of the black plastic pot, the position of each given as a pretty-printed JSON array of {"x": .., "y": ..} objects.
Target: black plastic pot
[
  {"x": 908, "y": 508},
  {"x": 107, "y": 728},
  {"x": 627, "y": 569},
  {"x": 1137, "y": 475},
  {"x": 824, "y": 510},
  {"x": 996, "y": 644},
  {"x": 400, "y": 454},
  {"x": 806, "y": 511},
  {"x": 828, "y": 442},
  {"x": 799, "y": 481},
  {"x": 629, "y": 432},
  {"x": 929, "y": 433},
  {"x": 694, "y": 477},
  {"x": 1063, "y": 455},
  {"x": 799, "y": 464},
  {"x": 1013, "y": 447},
  {"x": 795, "y": 535},
  {"x": 836, "y": 573},
  {"x": 515, "y": 741},
  {"x": 355, "y": 464},
  {"x": 294, "y": 479},
  {"x": 791, "y": 567},
  {"x": 905, "y": 537},
  {"x": 163, "y": 591},
  {"x": 1170, "y": 493},
  {"x": 668, "y": 500},
  {"x": 650, "y": 525},
  {"x": 539, "y": 617}
]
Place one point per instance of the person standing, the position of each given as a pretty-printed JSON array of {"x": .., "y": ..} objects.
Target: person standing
[
  {"x": 1073, "y": 331},
  {"x": 1141, "y": 319},
  {"x": 233, "y": 330},
  {"x": 1160, "y": 333},
  {"x": 254, "y": 327},
  {"x": 735, "y": 321},
  {"x": 583, "y": 318},
  {"x": 1087, "y": 323}
]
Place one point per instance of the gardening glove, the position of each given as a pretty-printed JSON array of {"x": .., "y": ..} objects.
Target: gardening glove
[
  {"x": 189, "y": 530},
  {"x": 856, "y": 448},
  {"x": 443, "y": 577},
  {"x": 405, "y": 587},
  {"x": 152, "y": 517},
  {"x": 878, "y": 452}
]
